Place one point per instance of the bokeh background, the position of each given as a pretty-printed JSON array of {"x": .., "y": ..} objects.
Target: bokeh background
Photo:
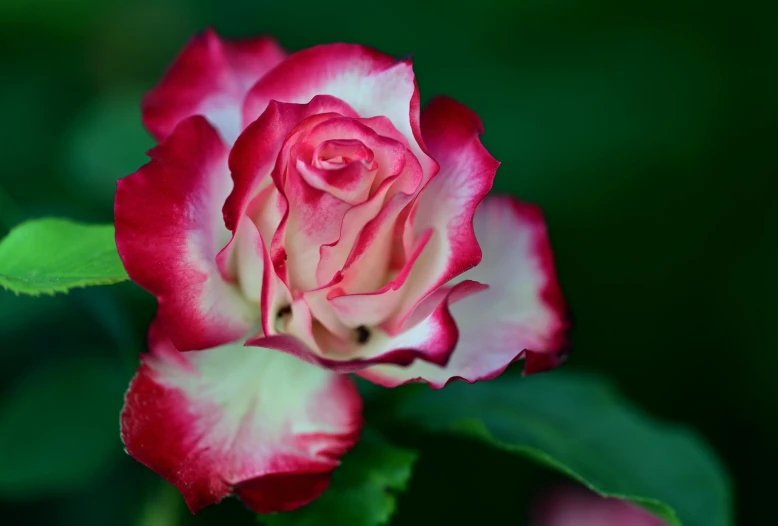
[{"x": 647, "y": 133}]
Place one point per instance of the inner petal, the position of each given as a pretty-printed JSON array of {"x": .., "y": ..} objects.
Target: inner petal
[
  {"x": 342, "y": 140},
  {"x": 369, "y": 230},
  {"x": 342, "y": 178},
  {"x": 313, "y": 220},
  {"x": 333, "y": 154}
]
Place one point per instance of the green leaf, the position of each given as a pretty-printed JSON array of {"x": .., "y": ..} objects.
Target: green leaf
[
  {"x": 59, "y": 428},
  {"x": 362, "y": 492},
  {"x": 578, "y": 425},
  {"x": 49, "y": 255}
]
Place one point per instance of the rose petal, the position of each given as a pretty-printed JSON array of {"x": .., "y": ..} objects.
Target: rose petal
[
  {"x": 241, "y": 420},
  {"x": 265, "y": 212},
  {"x": 316, "y": 219},
  {"x": 386, "y": 154},
  {"x": 345, "y": 178},
  {"x": 449, "y": 200},
  {"x": 313, "y": 220},
  {"x": 578, "y": 507},
  {"x": 374, "y": 308},
  {"x": 367, "y": 229},
  {"x": 252, "y": 160},
  {"x": 372, "y": 83},
  {"x": 276, "y": 297},
  {"x": 169, "y": 230},
  {"x": 521, "y": 313},
  {"x": 209, "y": 77},
  {"x": 249, "y": 261},
  {"x": 333, "y": 256},
  {"x": 432, "y": 337},
  {"x": 254, "y": 155}
]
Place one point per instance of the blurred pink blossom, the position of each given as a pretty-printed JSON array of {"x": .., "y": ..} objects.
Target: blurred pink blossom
[{"x": 573, "y": 506}]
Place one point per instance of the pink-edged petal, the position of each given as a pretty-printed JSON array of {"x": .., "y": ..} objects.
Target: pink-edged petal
[
  {"x": 431, "y": 338},
  {"x": 343, "y": 168},
  {"x": 317, "y": 219},
  {"x": 367, "y": 230},
  {"x": 169, "y": 230},
  {"x": 341, "y": 136},
  {"x": 254, "y": 155},
  {"x": 372, "y": 83},
  {"x": 243, "y": 420},
  {"x": 521, "y": 314},
  {"x": 313, "y": 220},
  {"x": 252, "y": 159},
  {"x": 445, "y": 207},
  {"x": 265, "y": 213},
  {"x": 578, "y": 507},
  {"x": 333, "y": 256},
  {"x": 249, "y": 262},
  {"x": 210, "y": 77},
  {"x": 374, "y": 308},
  {"x": 448, "y": 202},
  {"x": 385, "y": 151},
  {"x": 276, "y": 297}
]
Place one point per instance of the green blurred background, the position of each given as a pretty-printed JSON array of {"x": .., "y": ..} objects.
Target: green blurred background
[{"x": 647, "y": 134}]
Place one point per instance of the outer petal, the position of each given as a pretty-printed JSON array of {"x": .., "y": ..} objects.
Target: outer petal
[
  {"x": 210, "y": 77},
  {"x": 372, "y": 83},
  {"x": 578, "y": 507},
  {"x": 449, "y": 201},
  {"x": 242, "y": 420},
  {"x": 169, "y": 229},
  {"x": 521, "y": 314}
]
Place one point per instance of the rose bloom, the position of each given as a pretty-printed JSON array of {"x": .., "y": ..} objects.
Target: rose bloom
[
  {"x": 574, "y": 506},
  {"x": 301, "y": 219}
]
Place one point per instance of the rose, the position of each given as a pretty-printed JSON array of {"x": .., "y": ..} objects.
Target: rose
[
  {"x": 301, "y": 219},
  {"x": 571, "y": 506}
]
